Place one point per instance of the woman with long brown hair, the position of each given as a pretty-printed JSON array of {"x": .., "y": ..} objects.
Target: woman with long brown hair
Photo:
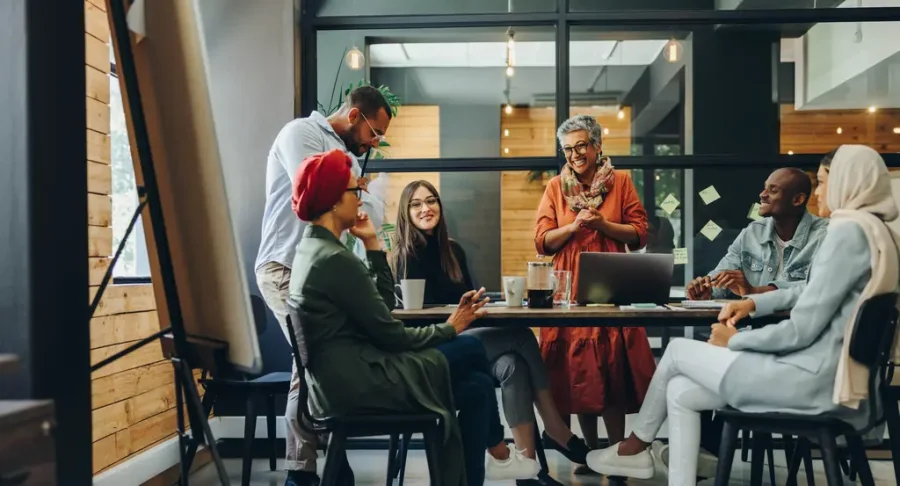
[
  {"x": 592, "y": 207},
  {"x": 422, "y": 249}
]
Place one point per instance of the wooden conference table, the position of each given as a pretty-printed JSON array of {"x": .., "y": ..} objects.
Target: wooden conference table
[{"x": 499, "y": 315}]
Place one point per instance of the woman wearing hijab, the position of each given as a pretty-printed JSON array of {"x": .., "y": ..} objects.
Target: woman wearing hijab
[
  {"x": 592, "y": 207},
  {"x": 807, "y": 354},
  {"x": 361, "y": 358}
]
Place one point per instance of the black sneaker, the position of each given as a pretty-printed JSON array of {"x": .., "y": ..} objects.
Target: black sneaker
[
  {"x": 575, "y": 450},
  {"x": 543, "y": 479},
  {"x": 301, "y": 478}
]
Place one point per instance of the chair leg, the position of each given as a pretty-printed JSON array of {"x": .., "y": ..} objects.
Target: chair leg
[
  {"x": 392, "y": 459},
  {"x": 249, "y": 436},
  {"x": 334, "y": 458},
  {"x": 859, "y": 462},
  {"x": 807, "y": 462},
  {"x": 892, "y": 414},
  {"x": 432, "y": 454},
  {"x": 539, "y": 449},
  {"x": 757, "y": 457},
  {"x": 270, "y": 426},
  {"x": 770, "y": 457},
  {"x": 726, "y": 453},
  {"x": 404, "y": 449},
  {"x": 745, "y": 445},
  {"x": 791, "y": 458},
  {"x": 830, "y": 457}
]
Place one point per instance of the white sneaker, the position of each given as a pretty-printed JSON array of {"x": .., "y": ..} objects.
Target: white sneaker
[
  {"x": 706, "y": 462},
  {"x": 518, "y": 466},
  {"x": 609, "y": 463}
]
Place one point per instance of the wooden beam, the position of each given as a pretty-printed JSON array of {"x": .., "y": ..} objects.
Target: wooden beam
[
  {"x": 99, "y": 178},
  {"x": 95, "y": 22},
  {"x": 122, "y": 328},
  {"x": 121, "y": 415},
  {"x": 97, "y": 83},
  {"x": 96, "y": 53},
  {"x": 97, "y": 115},
  {"x": 97, "y": 269},
  {"x": 122, "y": 299},
  {"x": 120, "y": 386},
  {"x": 99, "y": 210},
  {"x": 100, "y": 241}
]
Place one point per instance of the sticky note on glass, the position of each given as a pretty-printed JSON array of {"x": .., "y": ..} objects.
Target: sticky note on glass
[
  {"x": 681, "y": 257},
  {"x": 754, "y": 212},
  {"x": 709, "y": 195},
  {"x": 669, "y": 204},
  {"x": 711, "y": 230}
]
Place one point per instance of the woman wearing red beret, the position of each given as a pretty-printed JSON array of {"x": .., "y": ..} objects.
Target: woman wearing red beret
[{"x": 344, "y": 313}]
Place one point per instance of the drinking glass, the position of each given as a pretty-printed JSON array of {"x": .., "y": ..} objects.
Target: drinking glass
[{"x": 563, "y": 293}]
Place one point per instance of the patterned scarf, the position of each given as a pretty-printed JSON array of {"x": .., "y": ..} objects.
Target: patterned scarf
[{"x": 576, "y": 196}]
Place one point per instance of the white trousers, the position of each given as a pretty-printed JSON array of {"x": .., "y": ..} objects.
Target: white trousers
[{"x": 686, "y": 383}]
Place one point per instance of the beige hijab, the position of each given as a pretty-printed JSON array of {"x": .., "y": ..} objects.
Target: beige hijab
[{"x": 859, "y": 190}]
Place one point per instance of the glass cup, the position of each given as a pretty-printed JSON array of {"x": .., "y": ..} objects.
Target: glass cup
[{"x": 562, "y": 295}]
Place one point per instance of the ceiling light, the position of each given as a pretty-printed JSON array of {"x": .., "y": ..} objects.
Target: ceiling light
[
  {"x": 873, "y": 109},
  {"x": 508, "y": 109},
  {"x": 839, "y": 130},
  {"x": 506, "y": 132},
  {"x": 672, "y": 51},
  {"x": 620, "y": 115},
  {"x": 355, "y": 59},
  {"x": 510, "y": 71},
  {"x": 606, "y": 131},
  {"x": 897, "y": 130},
  {"x": 790, "y": 152},
  {"x": 506, "y": 150}
]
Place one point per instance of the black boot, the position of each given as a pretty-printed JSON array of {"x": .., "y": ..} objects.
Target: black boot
[{"x": 575, "y": 450}]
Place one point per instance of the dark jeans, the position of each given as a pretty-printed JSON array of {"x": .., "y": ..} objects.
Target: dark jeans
[{"x": 476, "y": 400}]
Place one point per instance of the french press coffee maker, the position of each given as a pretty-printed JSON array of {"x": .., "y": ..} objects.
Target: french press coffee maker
[{"x": 540, "y": 285}]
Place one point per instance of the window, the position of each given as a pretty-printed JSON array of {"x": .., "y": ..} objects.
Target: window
[{"x": 134, "y": 262}]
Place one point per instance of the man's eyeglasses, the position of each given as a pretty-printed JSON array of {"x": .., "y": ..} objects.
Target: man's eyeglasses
[
  {"x": 432, "y": 202},
  {"x": 377, "y": 136},
  {"x": 580, "y": 148},
  {"x": 357, "y": 190}
]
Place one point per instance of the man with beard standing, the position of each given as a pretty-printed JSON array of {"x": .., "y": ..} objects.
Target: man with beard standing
[{"x": 358, "y": 126}]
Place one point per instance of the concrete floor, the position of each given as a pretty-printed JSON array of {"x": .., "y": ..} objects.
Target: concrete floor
[{"x": 369, "y": 469}]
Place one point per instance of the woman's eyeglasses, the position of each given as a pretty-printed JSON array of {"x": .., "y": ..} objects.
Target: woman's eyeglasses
[
  {"x": 432, "y": 202},
  {"x": 580, "y": 148},
  {"x": 357, "y": 190}
]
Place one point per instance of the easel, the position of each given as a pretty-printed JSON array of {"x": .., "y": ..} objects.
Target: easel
[{"x": 185, "y": 352}]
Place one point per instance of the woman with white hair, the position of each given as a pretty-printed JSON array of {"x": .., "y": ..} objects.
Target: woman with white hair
[
  {"x": 807, "y": 354},
  {"x": 592, "y": 207}
]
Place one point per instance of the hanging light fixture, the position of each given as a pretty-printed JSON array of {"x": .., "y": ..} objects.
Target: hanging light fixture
[
  {"x": 510, "y": 52},
  {"x": 508, "y": 109},
  {"x": 672, "y": 51},
  {"x": 355, "y": 59}
]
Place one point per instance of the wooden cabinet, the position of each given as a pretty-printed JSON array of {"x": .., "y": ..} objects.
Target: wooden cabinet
[{"x": 27, "y": 451}]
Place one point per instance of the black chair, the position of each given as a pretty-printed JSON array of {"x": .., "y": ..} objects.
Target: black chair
[
  {"x": 870, "y": 344},
  {"x": 251, "y": 390},
  {"x": 363, "y": 425}
]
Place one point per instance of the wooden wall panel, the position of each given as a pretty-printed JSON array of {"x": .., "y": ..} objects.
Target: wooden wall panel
[
  {"x": 815, "y": 131},
  {"x": 531, "y": 132},
  {"x": 132, "y": 398}
]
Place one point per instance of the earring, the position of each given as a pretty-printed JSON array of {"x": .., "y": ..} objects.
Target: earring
[{"x": 334, "y": 209}]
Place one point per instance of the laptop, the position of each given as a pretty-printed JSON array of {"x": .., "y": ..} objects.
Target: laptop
[{"x": 624, "y": 278}]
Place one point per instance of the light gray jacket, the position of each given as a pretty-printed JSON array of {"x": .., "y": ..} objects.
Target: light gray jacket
[{"x": 791, "y": 366}]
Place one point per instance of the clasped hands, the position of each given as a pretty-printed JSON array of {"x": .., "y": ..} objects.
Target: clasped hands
[
  {"x": 729, "y": 316},
  {"x": 589, "y": 218}
]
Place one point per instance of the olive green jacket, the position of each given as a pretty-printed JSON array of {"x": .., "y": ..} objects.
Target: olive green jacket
[{"x": 360, "y": 357}]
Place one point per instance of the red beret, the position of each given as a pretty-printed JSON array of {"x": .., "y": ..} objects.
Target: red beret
[{"x": 319, "y": 184}]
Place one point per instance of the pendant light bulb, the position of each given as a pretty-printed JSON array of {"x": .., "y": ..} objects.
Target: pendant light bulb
[
  {"x": 355, "y": 59},
  {"x": 672, "y": 51}
]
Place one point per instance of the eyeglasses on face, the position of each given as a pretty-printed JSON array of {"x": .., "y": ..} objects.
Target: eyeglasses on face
[
  {"x": 357, "y": 190},
  {"x": 432, "y": 202},
  {"x": 580, "y": 148},
  {"x": 375, "y": 135}
]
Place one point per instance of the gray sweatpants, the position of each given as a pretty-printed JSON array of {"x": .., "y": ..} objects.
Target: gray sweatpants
[{"x": 516, "y": 363}]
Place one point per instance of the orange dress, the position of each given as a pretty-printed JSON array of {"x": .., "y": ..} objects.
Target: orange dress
[{"x": 590, "y": 367}]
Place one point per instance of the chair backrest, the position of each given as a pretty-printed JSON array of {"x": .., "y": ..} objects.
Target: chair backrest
[
  {"x": 301, "y": 358},
  {"x": 260, "y": 316},
  {"x": 871, "y": 343}
]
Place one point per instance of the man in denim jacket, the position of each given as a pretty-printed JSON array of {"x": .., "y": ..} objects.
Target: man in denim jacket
[{"x": 770, "y": 253}]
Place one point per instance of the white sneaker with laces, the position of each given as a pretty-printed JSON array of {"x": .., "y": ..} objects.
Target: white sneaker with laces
[{"x": 518, "y": 466}]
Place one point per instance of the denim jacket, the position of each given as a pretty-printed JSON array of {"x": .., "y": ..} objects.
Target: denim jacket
[{"x": 755, "y": 253}]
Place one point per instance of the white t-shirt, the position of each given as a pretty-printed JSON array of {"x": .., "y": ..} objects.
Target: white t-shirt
[{"x": 779, "y": 275}]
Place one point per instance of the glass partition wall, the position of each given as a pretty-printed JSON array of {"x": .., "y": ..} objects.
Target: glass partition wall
[{"x": 698, "y": 99}]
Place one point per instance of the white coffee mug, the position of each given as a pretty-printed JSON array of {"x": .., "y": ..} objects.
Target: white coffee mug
[
  {"x": 514, "y": 288},
  {"x": 412, "y": 293}
]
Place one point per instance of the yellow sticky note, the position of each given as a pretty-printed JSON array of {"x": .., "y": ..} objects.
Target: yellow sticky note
[
  {"x": 711, "y": 230},
  {"x": 709, "y": 195},
  {"x": 754, "y": 212},
  {"x": 681, "y": 256},
  {"x": 669, "y": 204}
]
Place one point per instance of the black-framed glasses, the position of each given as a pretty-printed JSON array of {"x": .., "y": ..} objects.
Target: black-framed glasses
[
  {"x": 580, "y": 148},
  {"x": 432, "y": 202},
  {"x": 357, "y": 190}
]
